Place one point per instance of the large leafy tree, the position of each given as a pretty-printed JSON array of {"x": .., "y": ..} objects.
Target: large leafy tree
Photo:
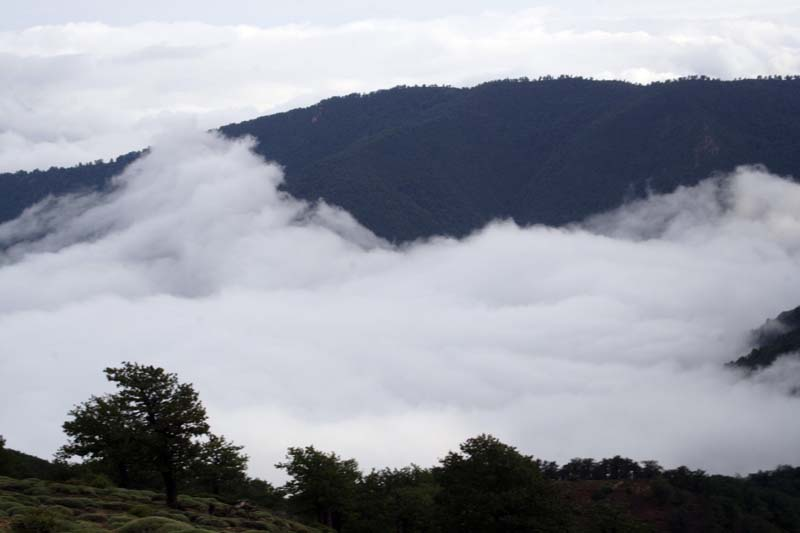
[
  {"x": 321, "y": 484},
  {"x": 157, "y": 419},
  {"x": 489, "y": 487}
]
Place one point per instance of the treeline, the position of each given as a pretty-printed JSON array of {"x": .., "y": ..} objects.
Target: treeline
[{"x": 153, "y": 433}]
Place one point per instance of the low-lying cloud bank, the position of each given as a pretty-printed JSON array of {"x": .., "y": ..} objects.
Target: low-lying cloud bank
[
  {"x": 298, "y": 326},
  {"x": 78, "y": 92}
]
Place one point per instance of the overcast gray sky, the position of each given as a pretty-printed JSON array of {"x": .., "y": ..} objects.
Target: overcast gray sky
[{"x": 23, "y": 13}]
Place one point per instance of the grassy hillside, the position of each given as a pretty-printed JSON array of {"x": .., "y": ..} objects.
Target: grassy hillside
[{"x": 35, "y": 506}]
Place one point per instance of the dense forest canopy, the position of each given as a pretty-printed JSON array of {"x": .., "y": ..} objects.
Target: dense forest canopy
[{"x": 414, "y": 162}]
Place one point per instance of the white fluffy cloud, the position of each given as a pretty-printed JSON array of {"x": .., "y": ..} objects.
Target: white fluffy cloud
[
  {"x": 298, "y": 326},
  {"x": 82, "y": 91}
]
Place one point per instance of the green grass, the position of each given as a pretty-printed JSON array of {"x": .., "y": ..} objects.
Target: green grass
[{"x": 35, "y": 506}]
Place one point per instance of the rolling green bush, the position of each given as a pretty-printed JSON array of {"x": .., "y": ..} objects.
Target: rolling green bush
[
  {"x": 141, "y": 510},
  {"x": 8, "y": 483},
  {"x": 155, "y": 524},
  {"x": 253, "y": 524},
  {"x": 36, "y": 521},
  {"x": 114, "y": 505},
  {"x": 94, "y": 517},
  {"x": 211, "y": 521},
  {"x": 72, "y": 503},
  {"x": 172, "y": 515},
  {"x": 118, "y": 520},
  {"x": 86, "y": 527},
  {"x": 72, "y": 490},
  {"x": 18, "y": 509},
  {"x": 60, "y": 510}
]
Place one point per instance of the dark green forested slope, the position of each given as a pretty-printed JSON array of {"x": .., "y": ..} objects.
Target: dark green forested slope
[
  {"x": 777, "y": 337},
  {"x": 419, "y": 161}
]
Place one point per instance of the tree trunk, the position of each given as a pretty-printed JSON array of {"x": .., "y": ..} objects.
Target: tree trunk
[
  {"x": 124, "y": 477},
  {"x": 171, "y": 489}
]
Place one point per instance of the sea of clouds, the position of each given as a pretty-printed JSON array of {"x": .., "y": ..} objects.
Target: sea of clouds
[{"x": 298, "y": 326}]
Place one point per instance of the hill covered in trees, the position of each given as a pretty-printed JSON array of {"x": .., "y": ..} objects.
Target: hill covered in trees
[
  {"x": 778, "y": 337},
  {"x": 414, "y": 162}
]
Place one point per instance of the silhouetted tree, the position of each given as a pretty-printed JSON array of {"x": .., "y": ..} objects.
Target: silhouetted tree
[
  {"x": 101, "y": 430},
  {"x": 220, "y": 462},
  {"x": 154, "y": 412},
  {"x": 321, "y": 484},
  {"x": 399, "y": 500},
  {"x": 492, "y": 488}
]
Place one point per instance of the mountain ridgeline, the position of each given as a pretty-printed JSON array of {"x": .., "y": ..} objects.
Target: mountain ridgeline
[{"x": 413, "y": 162}]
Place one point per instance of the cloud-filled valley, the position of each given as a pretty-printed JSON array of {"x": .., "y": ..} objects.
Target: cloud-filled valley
[{"x": 298, "y": 326}]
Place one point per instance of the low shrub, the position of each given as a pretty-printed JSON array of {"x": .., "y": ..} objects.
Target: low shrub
[
  {"x": 94, "y": 517},
  {"x": 141, "y": 510},
  {"x": 38, "y": 489},
  {"x": 8, "y": 483},
  {"x": 172, "y": 515},
  {"x": 72, "y": 503},
  {"x": 253, "y": 524},
  {"x": 155, "y": 524},
  {"x": 64, "y": 512},
  {"x": 36, "y": 521},
  {"x": 87, "y": 527},
  {"x": 18, "y": 509},
  {"x": 72, "y": 490},
  {"x": 212, "y": 521},
  {"x": 118, "y": 520},
  {"x": 114, "y": 505}
]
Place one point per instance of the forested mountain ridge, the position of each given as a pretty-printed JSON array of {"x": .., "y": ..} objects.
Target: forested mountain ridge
[
  {"x": 778, "y": 337},
  {"x": 413, "y": 162}
]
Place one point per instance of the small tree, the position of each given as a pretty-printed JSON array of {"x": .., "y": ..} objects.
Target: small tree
[
  {"x": 159, "y": 417},
  {"x": 322, "y": 484},
  {"x": 2, "y": 455},
  {"x": 220, "y": 462}
]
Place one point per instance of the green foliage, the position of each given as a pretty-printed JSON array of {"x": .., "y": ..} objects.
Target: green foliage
[
  {"x": 152, "y": 421},
  {"x": 36, "y": 521},
  {"x": 141, "y": 510},
  {"x": 98, "y": 511},
  {"x": 154, "y": 524},
  {"x": 490, "y": 487},
  {"x": 20, "y": 465},
  {"x": 321, "y": 484},
  {"x": 220, "y": 463},
  {"x": 72, "y": 503},
  {"x": 396, "y": 499}
]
